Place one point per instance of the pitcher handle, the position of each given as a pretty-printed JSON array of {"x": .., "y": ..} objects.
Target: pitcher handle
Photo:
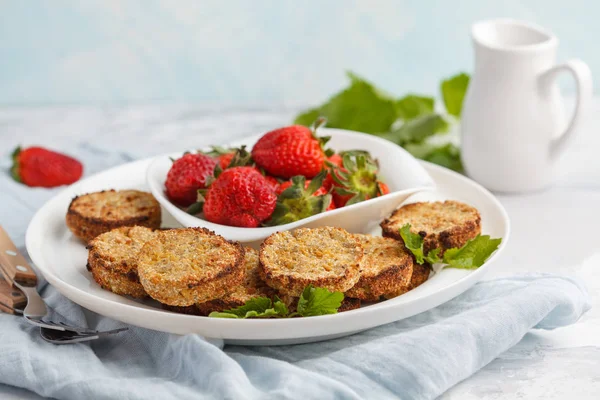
[{"x": 583, "y": 80}]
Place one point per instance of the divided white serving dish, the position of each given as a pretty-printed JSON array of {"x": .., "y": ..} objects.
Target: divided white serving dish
[{"x": 404, "y": 175}]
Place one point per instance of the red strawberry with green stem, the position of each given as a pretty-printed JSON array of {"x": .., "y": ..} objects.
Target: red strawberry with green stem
[
  {"x": 187, "y": 175},
  {"x": 299, "y": 199},
  {"x": 37, "y": 166},
  {"x": 291, "y": 151},
  {"x": 356, "y": 180},
  {"x": 273, "y": 182},
  {"x": 239, "y": 196}
]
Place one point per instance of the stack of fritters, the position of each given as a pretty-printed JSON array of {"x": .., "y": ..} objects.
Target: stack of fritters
[
  {"x": 112, "y": 259},
  {"x": 196, "y": 271},
  {"x": 182, "y": 267},
  {"x": 252, "y": 286},
  {"x": 386, "y": 267},
  {"x": 442, "y": 225},
  {"x": 323, "y": 257}
]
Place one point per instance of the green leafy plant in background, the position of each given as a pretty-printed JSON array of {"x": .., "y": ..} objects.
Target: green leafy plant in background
[{"x": 411, "y": 121}]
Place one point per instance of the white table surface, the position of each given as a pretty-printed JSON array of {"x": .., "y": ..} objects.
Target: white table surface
[{"x": 552, "y": 231}]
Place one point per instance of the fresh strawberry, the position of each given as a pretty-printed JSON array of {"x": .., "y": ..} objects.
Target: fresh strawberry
[
  {"x": 240, "y": 196},
  {"x": 291, "y": 151},
  {"x": 383, "y": 189},
  {"x": 37, "y": 166},
  {"x": 335, "y": 159},
  {"x": 225, "y": 159},
  {"x": 188, "y": 174},
  {"x": 356, "y": 180},
  {"x": 273, "y": 182},
  {"x": 299, "y": 199}
]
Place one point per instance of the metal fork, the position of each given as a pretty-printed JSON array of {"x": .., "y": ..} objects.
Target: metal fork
[{"x": 17, "y": 271}]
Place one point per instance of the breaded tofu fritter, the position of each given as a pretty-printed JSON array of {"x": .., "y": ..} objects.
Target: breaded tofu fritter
[
  {"x": 442, "y": 225},
  {"x": 92, "y": 214},
  {"x": 112, "y": 259},
  {"x": 182, "y": 267},
  {"x": 116, "y": 282},
  {"x": 252, "y": 286},
  {"x": 325, "y": 257},
  {"x": 386, "y": 267},
  {"x": 419, "y": 276}
]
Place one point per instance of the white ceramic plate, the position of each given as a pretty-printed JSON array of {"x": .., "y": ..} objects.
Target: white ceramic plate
[
  {"x": 61, "y": 258},
  {"x": 401, "y": 171}
]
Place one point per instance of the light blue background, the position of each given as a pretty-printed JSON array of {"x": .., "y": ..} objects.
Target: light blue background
[{"x": 253, "y": 53}]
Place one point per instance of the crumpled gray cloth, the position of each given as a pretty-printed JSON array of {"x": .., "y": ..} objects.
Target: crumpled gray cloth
[{"x": 416, "y": 358}]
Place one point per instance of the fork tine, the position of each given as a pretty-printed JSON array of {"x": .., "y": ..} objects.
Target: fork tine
[
  {"x": 43, "y": 324},
  {"x": 58, "y": 326},
  {"x": 66, "y": 337},
  {"x": 81, "y": 330}
]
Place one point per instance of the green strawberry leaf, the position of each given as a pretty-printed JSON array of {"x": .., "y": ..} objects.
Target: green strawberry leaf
[
  {"x": 453, "y": 92},
  {"x": 195, "y": 208},
  {"x": 316, "y": 182},
  {"x": 241, "y": 158},
  {"x": 15, "y": 172},
  {"x": 298, "y": 202},
  {"x": 217, "y": 151}
]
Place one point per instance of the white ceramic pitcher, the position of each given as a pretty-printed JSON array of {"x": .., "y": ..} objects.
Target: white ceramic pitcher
[{"x": 513, "y": 123}]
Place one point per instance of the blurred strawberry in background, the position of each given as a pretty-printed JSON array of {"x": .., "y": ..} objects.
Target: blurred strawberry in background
[{"x": 40, "y": 167}]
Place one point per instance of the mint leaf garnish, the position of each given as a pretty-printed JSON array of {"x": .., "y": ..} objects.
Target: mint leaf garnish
[
  {"x": 313, "y": 301},
  {"x": 473, "y": 254},
  {"x": 413, "y": 242},
  {"x": 318, "y": 301},
  {"x": 258, "y": 307},
  {"x": 470, "y": 256},
  {"x": 433, "y": 256}
]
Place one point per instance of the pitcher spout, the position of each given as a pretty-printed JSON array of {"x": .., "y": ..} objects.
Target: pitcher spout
[{"x": 507, "y": 35}]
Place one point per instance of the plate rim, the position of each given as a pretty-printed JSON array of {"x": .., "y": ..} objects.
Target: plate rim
[{"x": 270, "y": 324}]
